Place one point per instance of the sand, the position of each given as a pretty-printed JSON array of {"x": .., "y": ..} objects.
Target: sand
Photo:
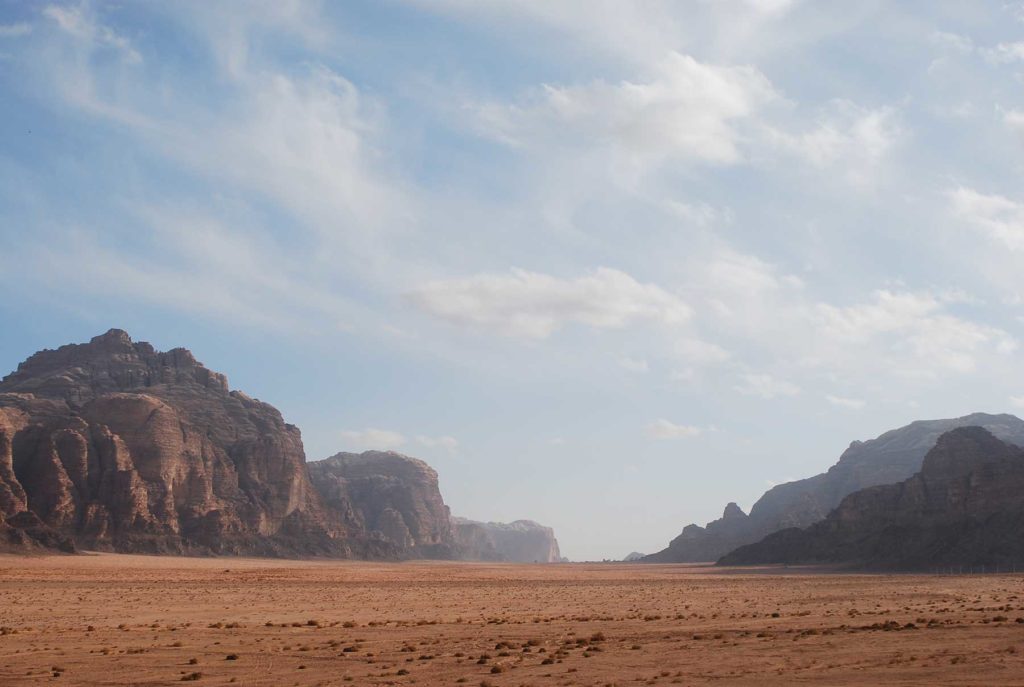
[{"x": 136, "y": 620}]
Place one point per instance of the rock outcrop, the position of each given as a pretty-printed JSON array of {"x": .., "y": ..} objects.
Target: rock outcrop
[
  {"x": 522, "y": 541},
  {"x": 890, "y": 458},
  {"x": 115, "y": 445},
  {"x": 394, "y": 498},
  {"x": 965, "y": 508}
]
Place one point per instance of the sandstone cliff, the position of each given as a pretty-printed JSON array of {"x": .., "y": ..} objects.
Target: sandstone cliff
[
  {"x": 114, "y": 445},
  {"x": 889, "y": 458},
  {"x": 522, "y": 541},
  {"x": 964, "y": 508},
  {"x": 394, "y": 498}
]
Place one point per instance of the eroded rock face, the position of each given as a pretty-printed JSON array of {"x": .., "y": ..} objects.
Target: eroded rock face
[
  {"x": 964, "y": 508},
  {"x": 114, "y": 445},
  {"x": 890, "y": 458},
  {"x": 394, "y": 498},
  {"x": 522, "y": 541}
]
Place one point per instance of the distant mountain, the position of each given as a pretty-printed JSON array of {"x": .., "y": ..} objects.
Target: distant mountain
[
  {"x": 633, "y": 557},
  {"x": 890, "y": 458},
  {"x": 964, "y": 508},
  {"x": 522, "y": 541}
]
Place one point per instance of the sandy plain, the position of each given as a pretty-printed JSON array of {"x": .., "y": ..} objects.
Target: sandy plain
[{"x": 136, "y": 620}]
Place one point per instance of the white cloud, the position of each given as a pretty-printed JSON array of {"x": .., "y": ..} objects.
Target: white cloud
[
  {"x": 534, "y": 305},
  {"x": 448, "y": 443},
  {"x": 696, "y": 352},
  {"x": 1000, "y": 218},
  {"x": 766, "y": 386},
  {"x": 917, "y": 336},
  {"x": 699, "y": 214},
  {"x": 853, "y": 139},
  {"x": 303, "y": 139},
  {"x": 1017, "y": 402},
  {"x": 852, "y": 403},
  {"x": 15, "y": 30},
  {"x": 953, "y": 42},
  {"x": 636, "y": 365},
  {"x": 686, "y": 110},
  {"x": 1005, "y": 53},
  {"x": 78, "y": 23},
  {"x": 1014, "y": 119},
  {"x": 663, "y": 429},
  {"x": 373, "y": 439}
]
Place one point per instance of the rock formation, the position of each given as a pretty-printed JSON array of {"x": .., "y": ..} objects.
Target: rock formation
[
  {"x": 394, "y": 498},
  {"x": 965, "y": 508},
  {"x": 522, "y": 541},
  {"x": 114, "y": 445},
  {"x": 890, "y": 458}
]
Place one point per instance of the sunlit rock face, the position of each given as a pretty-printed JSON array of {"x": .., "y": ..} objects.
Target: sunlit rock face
[
  {"x": 114, "y": 445},
  {"x": 394, "y": 498}
]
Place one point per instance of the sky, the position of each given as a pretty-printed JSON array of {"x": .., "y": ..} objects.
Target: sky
[{"x": 606, "y": 265}]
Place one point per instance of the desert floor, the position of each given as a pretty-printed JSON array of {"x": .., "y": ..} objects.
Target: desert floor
[{"x": 120, "y": 620}]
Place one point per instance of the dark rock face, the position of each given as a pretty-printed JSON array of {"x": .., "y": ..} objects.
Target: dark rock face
[
  {"x": 522, "y": 541},
  {"x": 964, "y": 508},
  {"x": 890, "y": 458},
  {"x": 394, "y": 498},
  {"x": 114, "y": 445}
]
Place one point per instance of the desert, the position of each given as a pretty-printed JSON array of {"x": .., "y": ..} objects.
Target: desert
[
  {"x": 113, "y": 619},
  {"x": 511, "y": 343}
]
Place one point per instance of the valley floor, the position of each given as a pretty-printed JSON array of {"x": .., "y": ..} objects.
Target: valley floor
[{"x": 135, "y": 620}]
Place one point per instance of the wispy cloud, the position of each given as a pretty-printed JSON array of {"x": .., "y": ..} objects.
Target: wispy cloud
[
  {"x": 766, "y": 386},
  {"x": 372, "y": 438},
  {"x": 664, "y": 429},
  {"x": 842, "y": 402},
  {"x": 15, "y": 30},
  {"x": 535, "y": 305}
]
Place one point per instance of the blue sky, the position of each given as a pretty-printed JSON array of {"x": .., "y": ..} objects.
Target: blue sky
[{"x": 606, "y": 265}]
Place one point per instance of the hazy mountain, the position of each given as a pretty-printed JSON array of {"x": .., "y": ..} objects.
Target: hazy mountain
[
  {"x": 964, "y": 508},
  {"x": 522, "y": 541},
  {"x": 889, "y": 458}
]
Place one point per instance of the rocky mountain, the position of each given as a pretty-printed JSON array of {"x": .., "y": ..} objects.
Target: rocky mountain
[
  {"x": 889, "y": 458},
  {"x": 115, "y": 445},
  {"x": 964, "y": 508},
  {"x": 522, "y": 541},
  {"x": 633, "y": 557},
  {"x": 393, "y": 497}
]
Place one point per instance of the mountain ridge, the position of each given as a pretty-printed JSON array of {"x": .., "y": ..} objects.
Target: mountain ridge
[
  {"x": 964, "y": 507},
  {"x": 891, "y": 457}
]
